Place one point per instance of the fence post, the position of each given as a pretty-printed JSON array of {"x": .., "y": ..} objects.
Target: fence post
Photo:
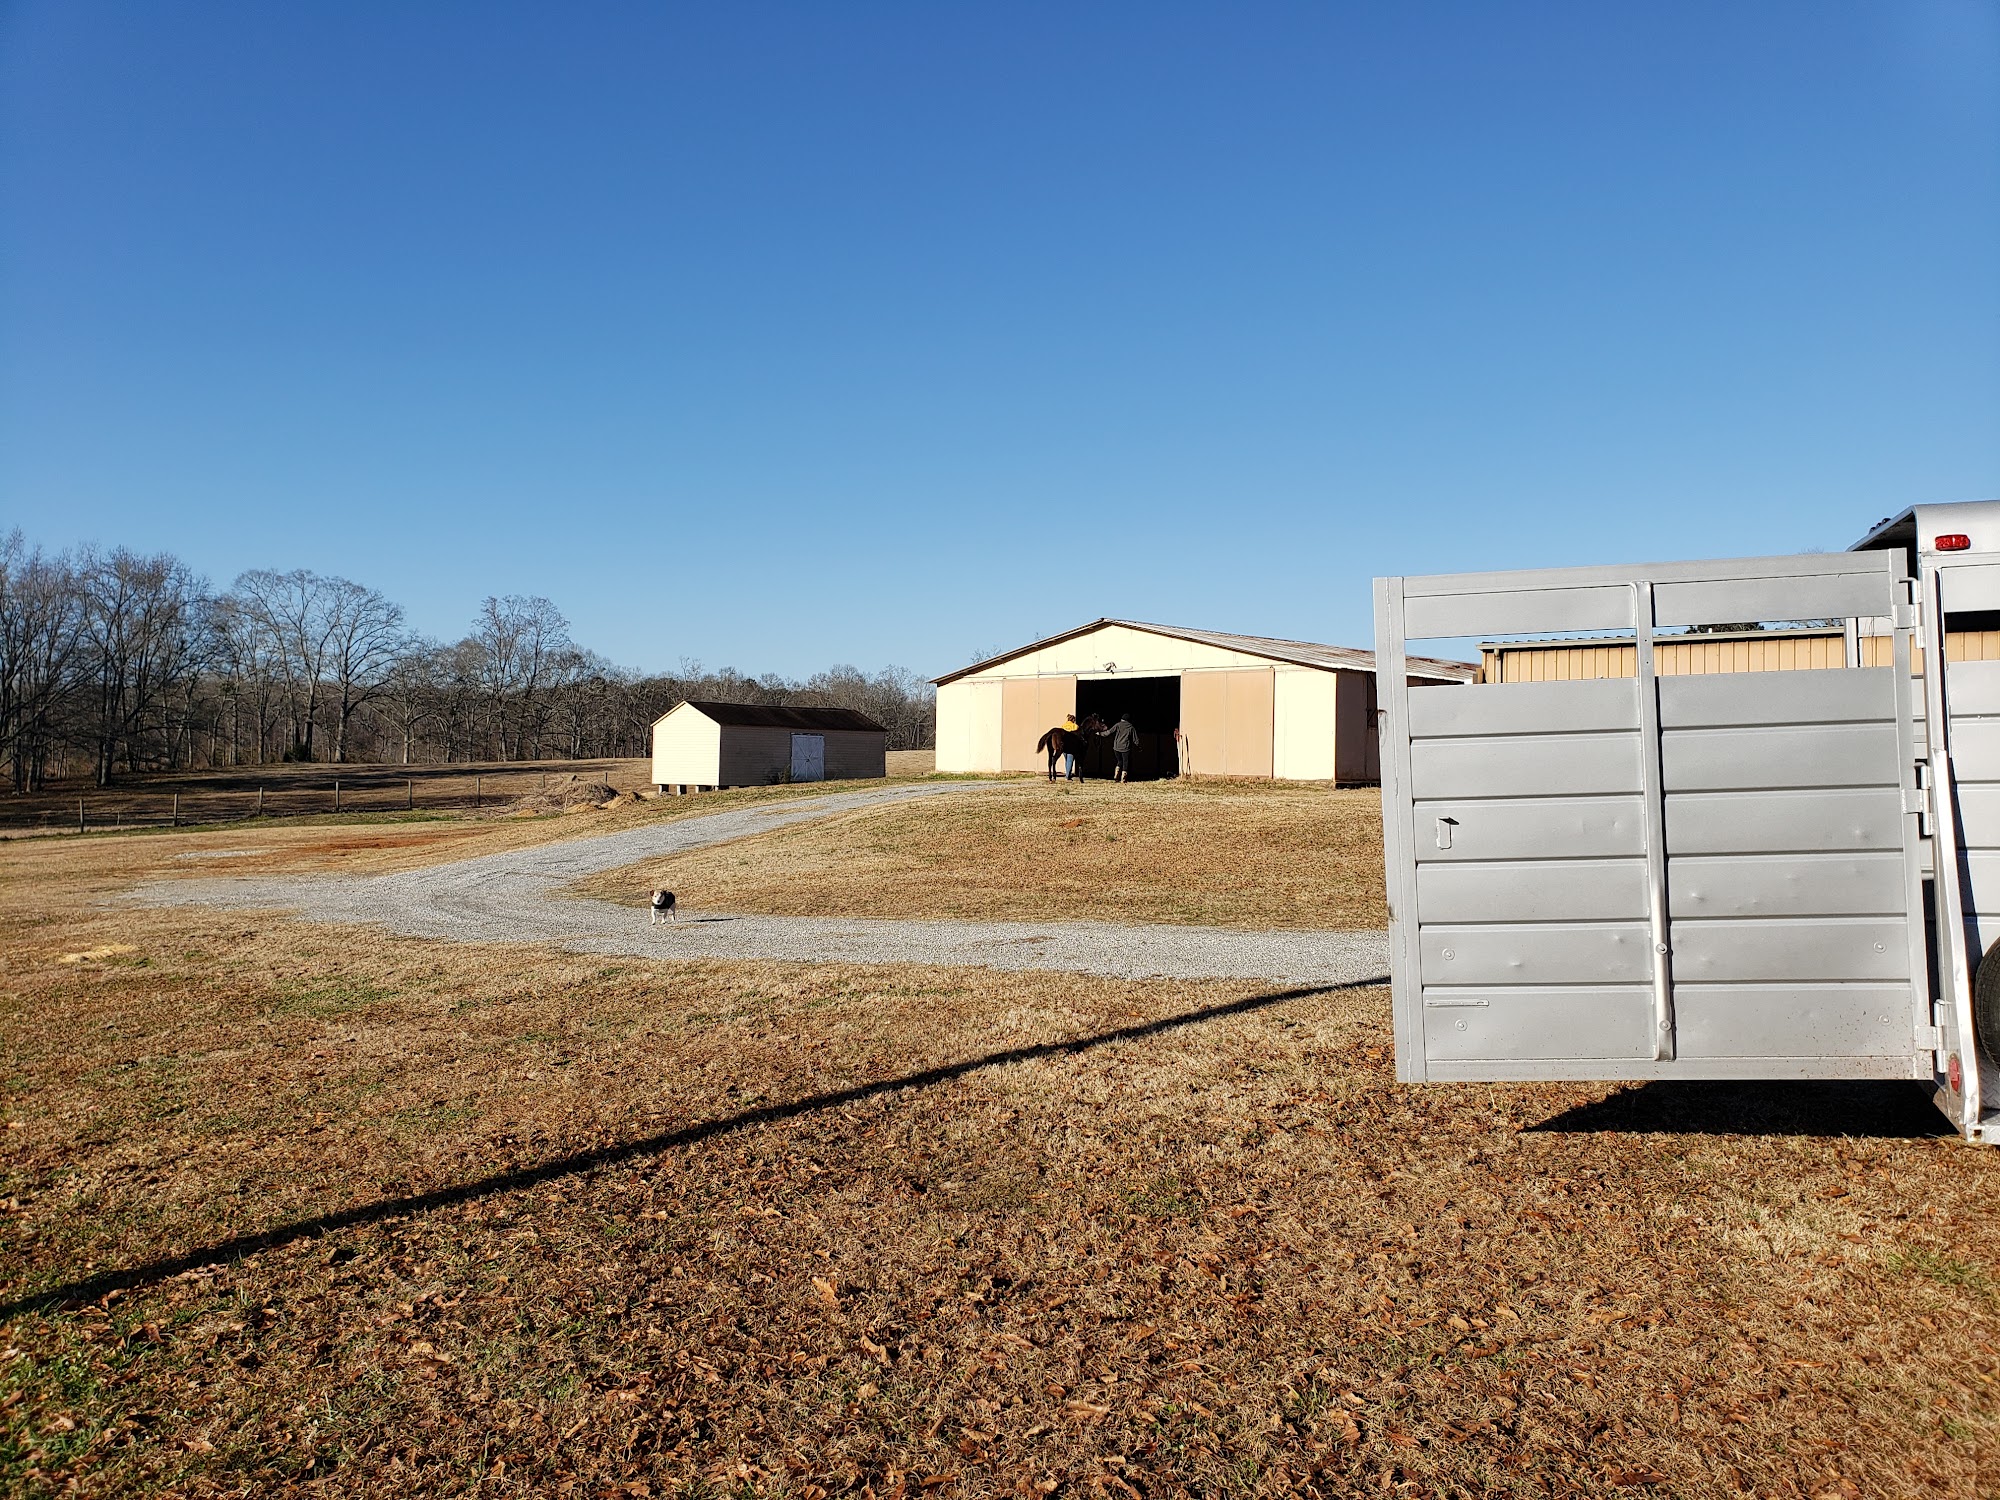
[
  {"x": 177, "y": 809},
  {"x": 336, "y": 794},
  {"x": 410, "y": 792},
  {"x": 475, "y": 791},
  {"x": 79, "y": 815},
  {"x": 260, "y": 801}
]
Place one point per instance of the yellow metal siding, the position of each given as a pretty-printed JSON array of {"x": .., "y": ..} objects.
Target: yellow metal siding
[{"x": 1557, "y": 661}]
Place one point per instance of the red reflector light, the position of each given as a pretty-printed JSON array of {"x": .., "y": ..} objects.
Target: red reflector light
[{"x": 1953, "y": 541}]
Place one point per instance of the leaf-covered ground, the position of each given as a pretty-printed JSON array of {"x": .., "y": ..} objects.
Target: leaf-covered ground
[{"x": 291, "y": 1208}]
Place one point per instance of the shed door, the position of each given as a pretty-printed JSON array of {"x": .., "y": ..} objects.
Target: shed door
[{"x": 808, "y": 757}]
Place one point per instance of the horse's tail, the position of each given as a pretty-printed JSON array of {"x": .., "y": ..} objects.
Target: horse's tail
[{"x": 1046, "y": 741}]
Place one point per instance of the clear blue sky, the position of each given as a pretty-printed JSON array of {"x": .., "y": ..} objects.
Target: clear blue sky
[{"x": 778, "y": 335}]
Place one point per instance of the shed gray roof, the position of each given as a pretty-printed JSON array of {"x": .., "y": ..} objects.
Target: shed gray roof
[
  {"x": 782, "y": 716},
  {"x": 1299, "y": 653}
]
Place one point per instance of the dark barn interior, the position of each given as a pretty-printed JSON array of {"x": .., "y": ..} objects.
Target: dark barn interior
[{"x": 1155, "y": 706}]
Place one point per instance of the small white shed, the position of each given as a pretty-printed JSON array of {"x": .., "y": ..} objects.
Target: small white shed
[{"x": 700, "y": 746}]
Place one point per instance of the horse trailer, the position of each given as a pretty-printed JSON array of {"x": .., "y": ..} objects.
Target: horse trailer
[{"x": 1702, "y": 873}]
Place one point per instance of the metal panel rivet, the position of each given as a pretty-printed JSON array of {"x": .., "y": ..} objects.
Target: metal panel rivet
[
  {"x": 1459, "y": 1024},
  {"x": 1659, "y": 947},
  {"x": 1449, "y": 954},
  {"x": 1878, "y": 947}
]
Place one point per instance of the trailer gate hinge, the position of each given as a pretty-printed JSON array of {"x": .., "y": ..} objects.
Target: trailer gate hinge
[
  {"x": 1904, "y": 615},
  {"x": 1929, "y": 1038},
  {"x": 1916, "y": 800}
]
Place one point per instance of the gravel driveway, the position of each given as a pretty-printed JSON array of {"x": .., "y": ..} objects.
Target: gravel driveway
[{"x": 513, "y": 897}]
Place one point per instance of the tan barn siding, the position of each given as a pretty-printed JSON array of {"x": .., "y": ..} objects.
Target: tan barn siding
[
  {"x": 1029, "y": 708},
  {"x": 856, "y": 754},
  {"x": 1229, "y": 720},
  {"x": 751, "y": 753}
]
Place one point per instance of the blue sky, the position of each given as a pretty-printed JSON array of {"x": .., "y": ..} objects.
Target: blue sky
[{"x": 779, "y": 335}]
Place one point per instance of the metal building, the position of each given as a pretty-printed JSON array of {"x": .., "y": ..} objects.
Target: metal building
[
  {"x": 1245, "y": 705},
  {"x": 700, "y": 746}
]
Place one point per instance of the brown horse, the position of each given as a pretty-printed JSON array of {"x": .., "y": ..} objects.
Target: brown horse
[{"x": 1060, "y": 741}]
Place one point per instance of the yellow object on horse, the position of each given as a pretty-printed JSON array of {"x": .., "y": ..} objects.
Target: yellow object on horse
[{"x": 1069, "y": 722}]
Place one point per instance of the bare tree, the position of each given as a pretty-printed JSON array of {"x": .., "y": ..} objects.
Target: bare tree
[
  {"x": 41, "y": 655},
  {"x": 286, "y": 613},
  {"x": 144, "y": 620},
  {"x": 125, "y": 662},
  {"x": 365, "y": 641},
  {"x": 520, "y": 640}
]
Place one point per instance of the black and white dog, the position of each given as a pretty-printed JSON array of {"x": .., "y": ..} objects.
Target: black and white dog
[{"x": 663, "y": 908}]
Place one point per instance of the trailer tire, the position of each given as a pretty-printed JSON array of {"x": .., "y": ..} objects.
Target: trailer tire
[{"x": 1986, "y": 1003}]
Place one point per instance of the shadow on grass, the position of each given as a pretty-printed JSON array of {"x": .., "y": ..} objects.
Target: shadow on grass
[
  {"x": 1892, "y": 1109},
  {"x": 93, "y": 1287}
]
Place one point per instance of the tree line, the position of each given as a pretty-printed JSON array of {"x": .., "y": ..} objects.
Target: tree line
[{"x": 114, "y": 662}]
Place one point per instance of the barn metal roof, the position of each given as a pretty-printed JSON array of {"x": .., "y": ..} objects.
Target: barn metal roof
[
  {"x": 780, "y": 716},
  {"x": 1299, "y": 653}
]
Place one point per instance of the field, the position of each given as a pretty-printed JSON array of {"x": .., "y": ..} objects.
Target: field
[
  {"x": 288, "y": 791},
  {"x": 297, "y": 1208},
  {"x": 1216, "y": 853}
]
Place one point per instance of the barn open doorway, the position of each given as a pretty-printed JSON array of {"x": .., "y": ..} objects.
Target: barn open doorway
[{"x": 1155, "y": 706}]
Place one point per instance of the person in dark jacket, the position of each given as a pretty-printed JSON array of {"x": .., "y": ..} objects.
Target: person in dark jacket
[{"x": 1124, "y": 735}]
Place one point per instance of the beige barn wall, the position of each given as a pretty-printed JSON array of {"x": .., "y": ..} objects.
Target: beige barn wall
[
  {"x": 687, "y": 747},
  {"x": 954, "y": 728},
  {"x": 1306, "y": 724},
  {"x": 1138, "y": 653},
  {"x": 968, "y": 725},
  {"x": 984, "y": 699}
]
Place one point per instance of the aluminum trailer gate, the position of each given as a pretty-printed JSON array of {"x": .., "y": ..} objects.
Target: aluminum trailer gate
[{"x": 1699, "y": 876}]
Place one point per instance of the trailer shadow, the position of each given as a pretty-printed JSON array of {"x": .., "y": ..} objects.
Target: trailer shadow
[
  {"x": 1895, "y": 1109},
  {"x": 517, "y": 1179}
]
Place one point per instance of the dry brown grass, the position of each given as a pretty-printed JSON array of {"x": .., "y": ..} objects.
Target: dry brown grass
[
  {"x": 307, "y": 791},
  {"x": 366, "y": 844},
  {"x": 758, "y": 1229},
  {"x": 1221, "y": 853}
]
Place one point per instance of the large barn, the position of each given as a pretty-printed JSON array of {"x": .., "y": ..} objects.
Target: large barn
[
  {"x": 700, "y": 746},
  {"x": 1246, "y": 705}
]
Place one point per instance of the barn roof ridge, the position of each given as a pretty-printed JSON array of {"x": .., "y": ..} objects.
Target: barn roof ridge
[
  {"x": 1272, "y": 648},
  {"x": 778, "y": 715}
]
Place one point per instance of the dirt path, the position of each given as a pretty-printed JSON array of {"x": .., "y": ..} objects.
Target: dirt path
[{"x": 515, "y": 897}]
